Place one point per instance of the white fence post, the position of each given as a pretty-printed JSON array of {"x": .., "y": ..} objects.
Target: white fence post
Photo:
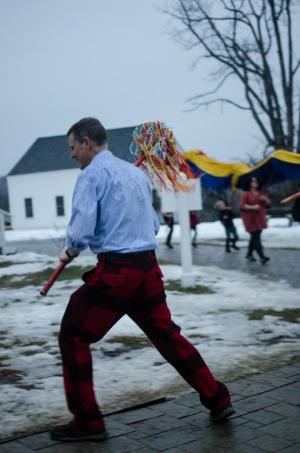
[
  {"x": 188, "y": 278},
  {"x": 183, "y": 202}
]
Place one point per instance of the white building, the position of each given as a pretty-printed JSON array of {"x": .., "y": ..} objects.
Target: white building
[{"x": 40, "y": 185}]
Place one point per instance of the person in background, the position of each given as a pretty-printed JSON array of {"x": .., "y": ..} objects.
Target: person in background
[
  {"x": 295, "y": 198},
  {"x": 253, "y": 205},
  {"x": 194, "y": 220},
  {"x": 169, "y": 220},
  {"x": 226, "y": 218}
]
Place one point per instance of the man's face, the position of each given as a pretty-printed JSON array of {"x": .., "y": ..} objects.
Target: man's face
[{"x": 80, "y": 151}]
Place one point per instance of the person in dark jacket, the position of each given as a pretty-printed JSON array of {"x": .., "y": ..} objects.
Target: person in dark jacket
[
  {"x": 169, "y": 220},
  {"x": 226, "y": 218},
  {"x": 296, "y": 206},
  {"x": 194, "y": 220}
]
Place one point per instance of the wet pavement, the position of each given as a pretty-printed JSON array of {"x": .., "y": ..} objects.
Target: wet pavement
[
  {"x": 284, "y": 264},
  {"x": 267, "y": 419}
]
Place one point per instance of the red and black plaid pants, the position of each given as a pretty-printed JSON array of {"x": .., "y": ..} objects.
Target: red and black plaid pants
[{"x": 129, "y": 285}]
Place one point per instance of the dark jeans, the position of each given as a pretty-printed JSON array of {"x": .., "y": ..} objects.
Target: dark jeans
[
  {"x": 194, "y": 230},
  {"x": 231, "y": 236},
  {"x": 255, "y": 244},
  {"x": 169, "y": 237}
]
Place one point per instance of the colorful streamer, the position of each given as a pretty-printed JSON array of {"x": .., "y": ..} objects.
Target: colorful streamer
[{"x": 154, "y": 148}]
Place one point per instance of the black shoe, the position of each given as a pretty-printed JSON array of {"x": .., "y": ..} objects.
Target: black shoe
[
  {"x": 170, "y": 246},
  {"x": 265, "y": 259},
  {"x": 235, "y": 247},
  {"x": 194, "y": 244},
  {"x": 222, "y": 414},
  {"x": 71, "y": 433},
  {"x": 250, "y": 258},
  {"x": 227, "y": 250}
]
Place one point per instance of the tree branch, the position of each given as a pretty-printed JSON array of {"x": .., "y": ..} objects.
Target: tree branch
[
  {"x": 241, "y": 36},
  {"x": 295, "y": 69},
  {"x": 215, "y": 90},
  {"x": 214, "y": 101}
]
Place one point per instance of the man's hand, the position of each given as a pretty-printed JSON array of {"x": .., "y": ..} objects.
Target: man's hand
[{"x": 67, "y": 255}]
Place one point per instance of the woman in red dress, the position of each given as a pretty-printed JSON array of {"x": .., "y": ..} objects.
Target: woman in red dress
[{"x": 253, "y": 205}]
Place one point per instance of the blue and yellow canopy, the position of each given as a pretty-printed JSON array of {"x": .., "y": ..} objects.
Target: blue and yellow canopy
[{"x": 279, "y": 166}]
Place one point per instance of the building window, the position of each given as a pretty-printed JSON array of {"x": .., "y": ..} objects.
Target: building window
[
  {"x": 28, "y": 207},
  {"x": 60, "y": 207}
]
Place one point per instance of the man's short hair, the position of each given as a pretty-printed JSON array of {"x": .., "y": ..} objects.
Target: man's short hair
[{"x": 91, "y": 128}]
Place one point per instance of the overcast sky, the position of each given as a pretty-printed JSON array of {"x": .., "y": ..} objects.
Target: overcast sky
[{"x": 62, "y": 60}]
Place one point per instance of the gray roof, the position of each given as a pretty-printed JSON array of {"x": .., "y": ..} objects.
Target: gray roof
[{"x": 52, "y": 153}]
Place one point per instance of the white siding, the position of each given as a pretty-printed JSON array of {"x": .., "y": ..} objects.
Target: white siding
[{"x": 42, "y": 187}]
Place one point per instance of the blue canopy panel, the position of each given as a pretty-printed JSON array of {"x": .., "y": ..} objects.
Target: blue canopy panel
[
  {"x": 272, "y": 171},
  {"x": 216, "y": 182},
  {"x": 210, "y": 181},
  {"x": 197, "y": 172}
]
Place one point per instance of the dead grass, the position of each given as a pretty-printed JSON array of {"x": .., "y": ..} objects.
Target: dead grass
[
  {"x": 9, "y": 376},
  {"x": 16, "y": 342},
  {"x": 75, "y": 272},
  {"x": 5, "y": 263},
  {"x": 167, "y": 262},
  {"x": 175, "y": 285},
  {"x": 125, "y": 344},
  {"x": 38, "y": 278},
  {"x": 288, "y": 314}
]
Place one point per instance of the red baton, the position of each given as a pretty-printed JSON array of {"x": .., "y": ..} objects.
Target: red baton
[{"x": 52, "y": 278}]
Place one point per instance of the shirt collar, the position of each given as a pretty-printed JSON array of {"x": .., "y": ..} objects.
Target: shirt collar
[{"x": 103, "y": 154}]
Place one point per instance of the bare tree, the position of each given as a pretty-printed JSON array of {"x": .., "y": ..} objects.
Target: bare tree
[{"x": 253, "y": 42}]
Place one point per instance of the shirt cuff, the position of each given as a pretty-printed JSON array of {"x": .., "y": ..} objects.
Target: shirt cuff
[{"x": 73, "y": 247}]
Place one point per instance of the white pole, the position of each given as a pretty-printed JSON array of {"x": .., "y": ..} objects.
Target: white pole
[{"x": 188, "y": 278}]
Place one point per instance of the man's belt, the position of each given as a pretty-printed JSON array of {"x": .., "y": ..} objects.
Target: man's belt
[{"x": 133, "y": 256}]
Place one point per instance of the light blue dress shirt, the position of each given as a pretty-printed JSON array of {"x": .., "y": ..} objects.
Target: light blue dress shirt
[{"x": 112, "y": 208}]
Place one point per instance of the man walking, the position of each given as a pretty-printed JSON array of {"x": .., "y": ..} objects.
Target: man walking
[{"x": 112, "y": 214}]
